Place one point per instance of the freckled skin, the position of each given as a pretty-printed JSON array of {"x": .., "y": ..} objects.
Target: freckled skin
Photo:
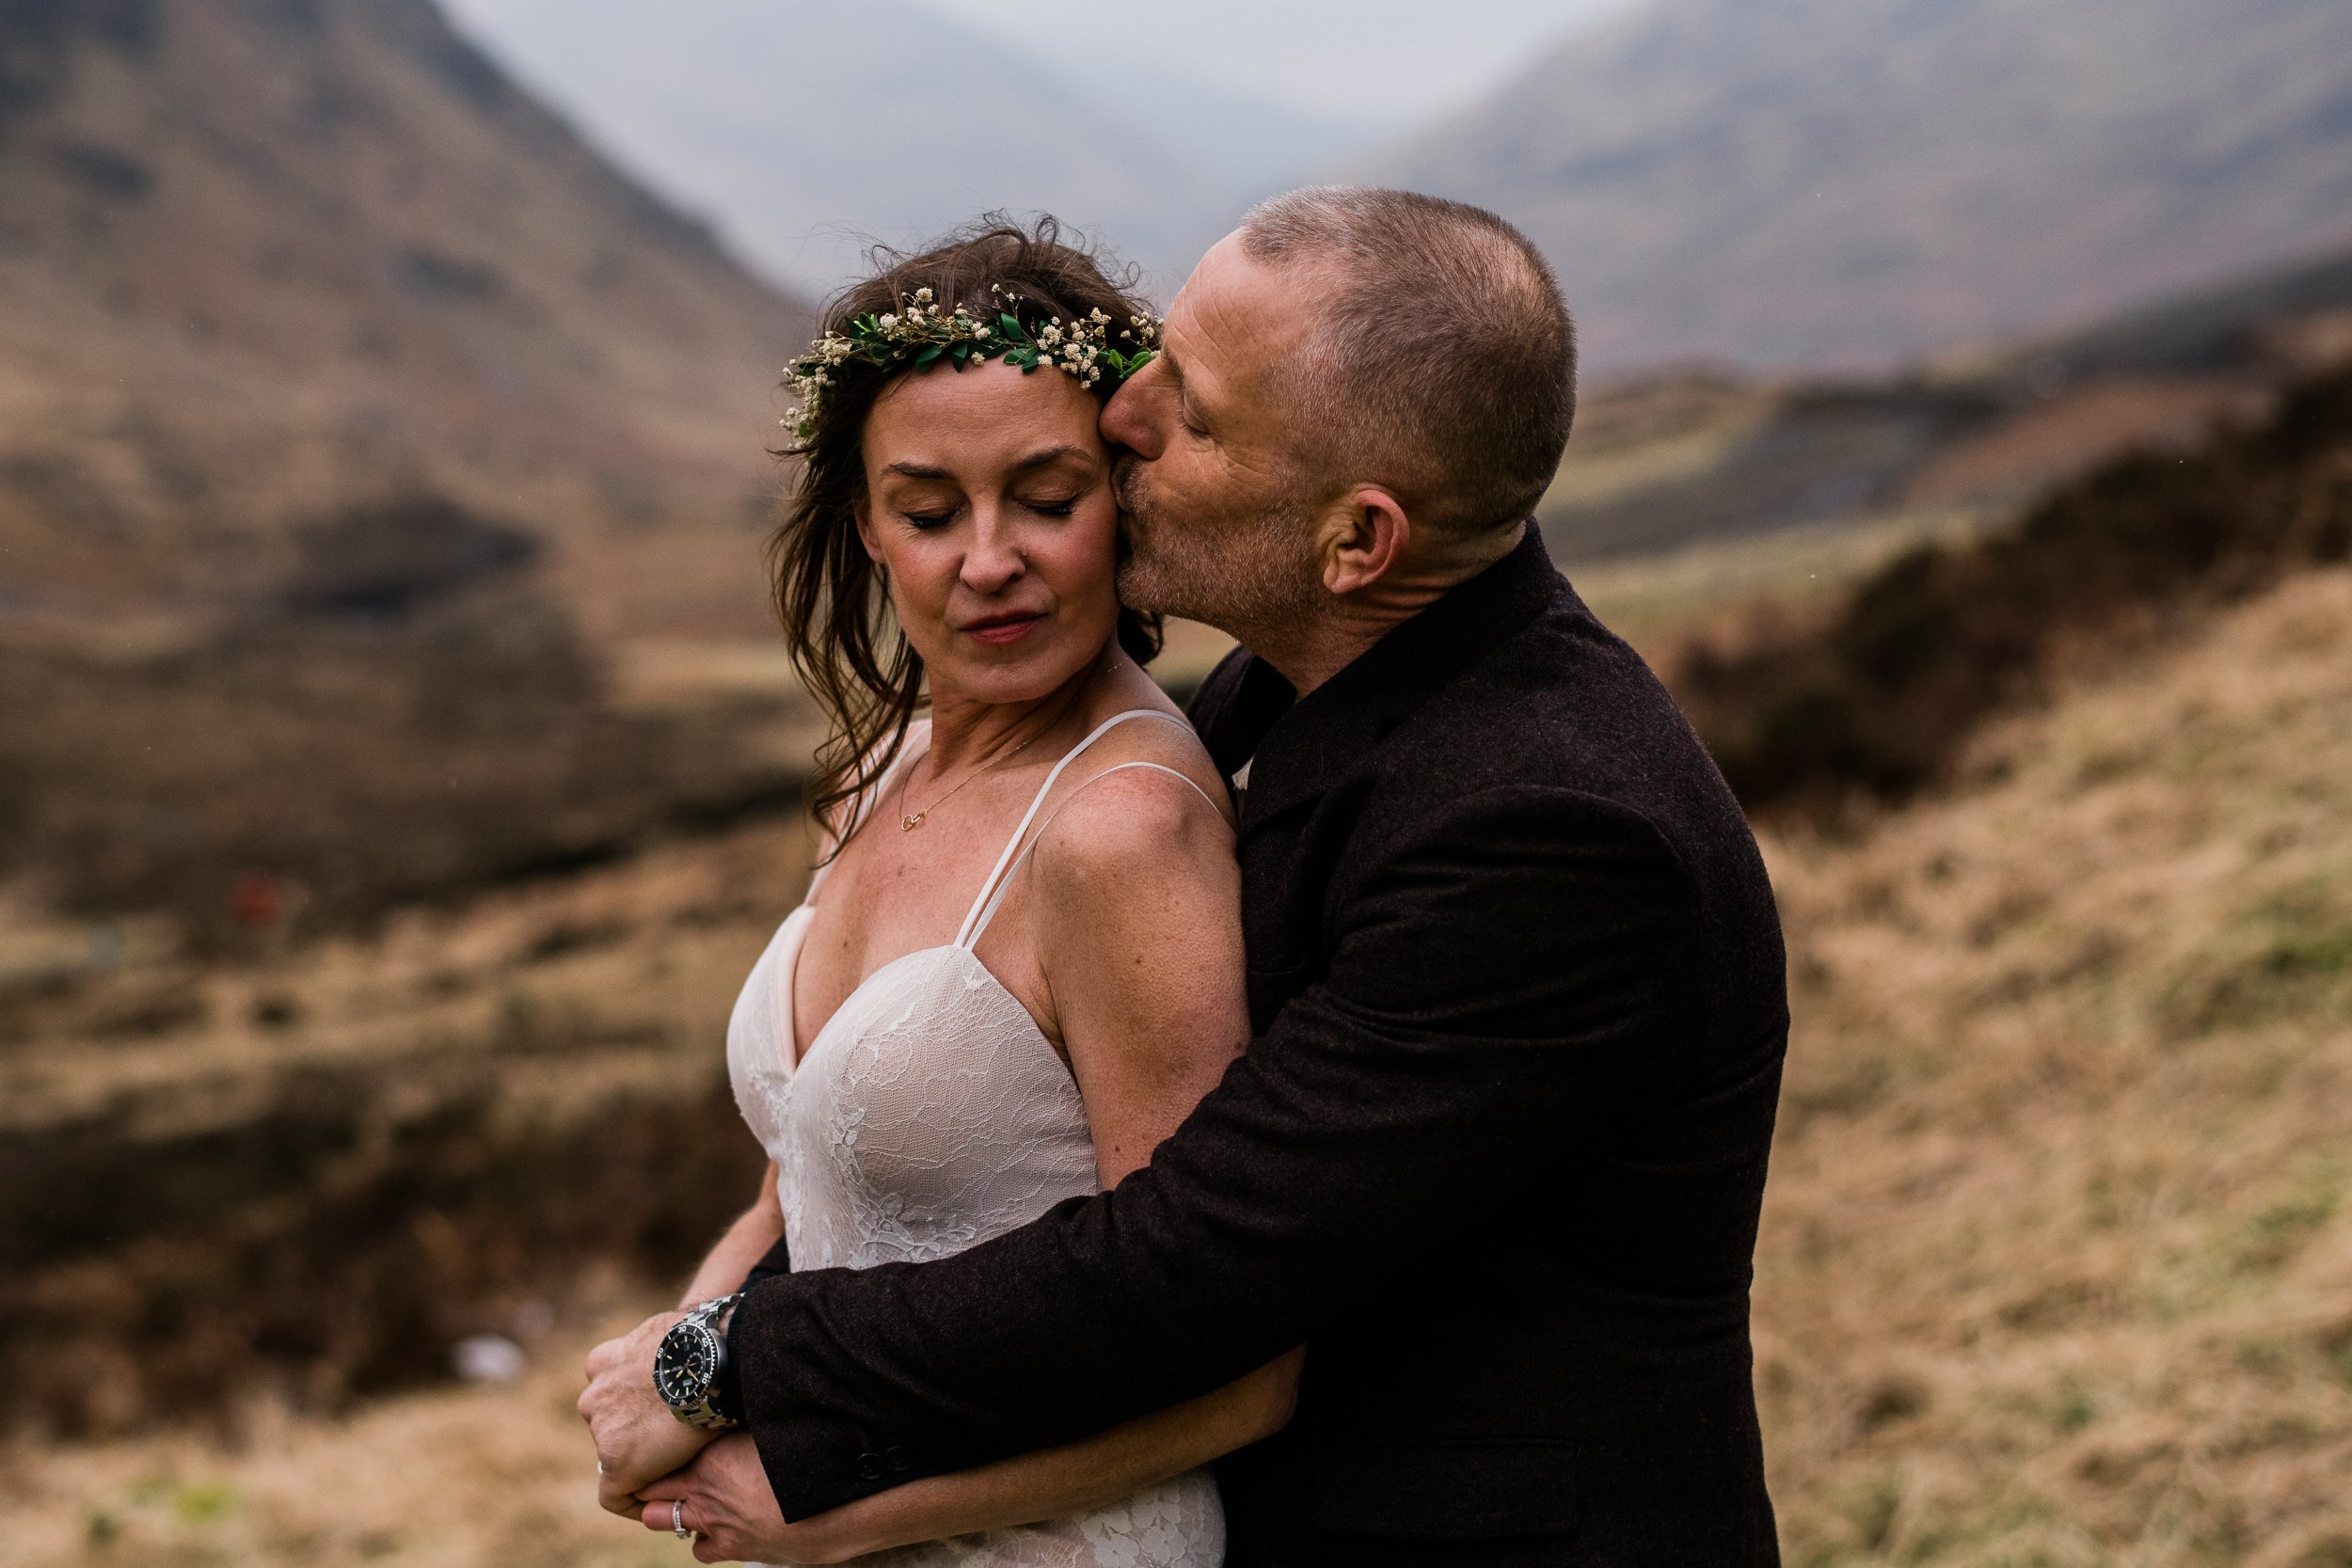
[{"x": 971, "y": 533}]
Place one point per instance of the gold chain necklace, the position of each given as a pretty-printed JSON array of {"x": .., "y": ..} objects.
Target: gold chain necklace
[{"x": 908, "y": 824}]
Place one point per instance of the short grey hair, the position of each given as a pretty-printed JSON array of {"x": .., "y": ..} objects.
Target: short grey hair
[{"x": 1444, "y": 364}]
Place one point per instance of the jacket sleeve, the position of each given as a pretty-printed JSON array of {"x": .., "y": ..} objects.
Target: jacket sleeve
[{"x": 1494, "y": 987}]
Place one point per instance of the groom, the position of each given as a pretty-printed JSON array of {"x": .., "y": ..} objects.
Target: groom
[{"x": 1496, "y": 1153}]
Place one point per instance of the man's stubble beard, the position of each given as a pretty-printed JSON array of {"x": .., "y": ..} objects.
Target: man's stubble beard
[{"x": 1241, "y": 572}]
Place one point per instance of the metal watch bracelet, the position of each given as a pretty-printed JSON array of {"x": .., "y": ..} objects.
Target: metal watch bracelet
[{"x": 703, "y": 1411}]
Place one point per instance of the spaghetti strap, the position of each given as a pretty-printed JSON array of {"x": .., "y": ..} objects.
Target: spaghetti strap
[
  {"x": 984, "y": 906},
  {"x": 1004, "y": 885}
]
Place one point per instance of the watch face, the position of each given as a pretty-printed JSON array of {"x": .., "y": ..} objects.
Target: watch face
[{"x": 685, "y": 1365}]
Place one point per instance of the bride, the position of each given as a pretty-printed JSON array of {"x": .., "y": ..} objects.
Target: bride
[{"x": 1018, "y": 965}]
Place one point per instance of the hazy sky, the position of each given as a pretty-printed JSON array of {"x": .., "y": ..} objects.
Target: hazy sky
[
  {"x": 1378, "y": 62},
  {"x": 804, "y": 128}
]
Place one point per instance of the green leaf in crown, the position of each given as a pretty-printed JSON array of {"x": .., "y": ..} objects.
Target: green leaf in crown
[{"x": 923, "y": 334}]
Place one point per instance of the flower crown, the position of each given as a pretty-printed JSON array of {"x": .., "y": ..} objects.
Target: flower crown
[{"x": 923, "y": 334}]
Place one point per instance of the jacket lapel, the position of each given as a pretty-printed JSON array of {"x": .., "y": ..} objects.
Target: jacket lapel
[
  {"x": 1310, "y": 746},
  {"x": 1308, "y": 758},
  {"x": 1243, "y": 696}
]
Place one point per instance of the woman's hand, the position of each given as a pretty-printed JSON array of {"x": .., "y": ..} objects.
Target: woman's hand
[
  {"x": 725, "y": 1498},
  {"x": 637, "y": 1438}
]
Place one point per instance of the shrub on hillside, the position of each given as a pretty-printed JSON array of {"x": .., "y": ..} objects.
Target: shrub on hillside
[{"x": 1880, "y": 700}]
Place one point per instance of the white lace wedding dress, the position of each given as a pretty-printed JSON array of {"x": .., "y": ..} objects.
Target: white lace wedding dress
[{"x": 931, "y": 1113}]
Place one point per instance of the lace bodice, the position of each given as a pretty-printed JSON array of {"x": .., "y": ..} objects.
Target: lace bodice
[{"x": 931, "y": 1113}]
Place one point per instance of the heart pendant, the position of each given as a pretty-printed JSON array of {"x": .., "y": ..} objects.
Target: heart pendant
[{"x": 908, "y": 824}]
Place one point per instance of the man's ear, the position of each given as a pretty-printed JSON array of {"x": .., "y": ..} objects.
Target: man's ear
[{"x": 1362, "y": 540}]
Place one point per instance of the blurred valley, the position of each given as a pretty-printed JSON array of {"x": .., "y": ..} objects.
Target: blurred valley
[
  {"x": 397, "y": 773},
  {"x": 1786, "y": 183},
  {"x": 1702, "y": 484}
]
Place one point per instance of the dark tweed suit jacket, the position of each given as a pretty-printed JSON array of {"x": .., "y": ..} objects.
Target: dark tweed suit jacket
[{"x": 1495, "y": 1154}]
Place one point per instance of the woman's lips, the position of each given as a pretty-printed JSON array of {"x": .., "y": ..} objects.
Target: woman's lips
[{"x": 999, "y": 630}]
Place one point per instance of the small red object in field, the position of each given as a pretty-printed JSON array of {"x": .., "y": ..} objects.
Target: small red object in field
[{"x": 257, "y": 900}]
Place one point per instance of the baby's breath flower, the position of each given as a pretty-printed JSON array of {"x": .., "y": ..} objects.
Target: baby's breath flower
[{"x": 924, "y": 332}]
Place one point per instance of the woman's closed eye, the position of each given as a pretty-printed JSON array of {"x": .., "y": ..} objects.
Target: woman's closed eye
[{"x": 941, "y": 515}]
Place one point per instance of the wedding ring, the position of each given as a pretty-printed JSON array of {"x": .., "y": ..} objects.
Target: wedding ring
[{"x": 677, "y": 1520}]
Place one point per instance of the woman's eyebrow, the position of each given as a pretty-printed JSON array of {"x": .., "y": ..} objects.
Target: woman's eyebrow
[
  {"x": 1049, "y": 455},
  {"x": 1035, "y": 460}
]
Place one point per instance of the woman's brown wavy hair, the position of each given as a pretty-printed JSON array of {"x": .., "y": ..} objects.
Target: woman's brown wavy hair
[{"x": 833, "y": 604}]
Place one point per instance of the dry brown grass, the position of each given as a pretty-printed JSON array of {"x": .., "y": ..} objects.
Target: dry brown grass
[
  {"x": 466, "y": 1478},
  {"x": 2057, "y": 1265},
  {"x": 644, "y": 957},
  {"x": 303, "y": 1176}
]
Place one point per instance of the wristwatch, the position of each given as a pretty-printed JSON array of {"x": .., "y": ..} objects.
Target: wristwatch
[{"x": 690, "y": 1362}]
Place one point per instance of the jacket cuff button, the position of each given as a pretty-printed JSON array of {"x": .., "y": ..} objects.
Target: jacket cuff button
[
  {"x": 869, "y": 1466},
  {"x": 898, "y": 1461}
]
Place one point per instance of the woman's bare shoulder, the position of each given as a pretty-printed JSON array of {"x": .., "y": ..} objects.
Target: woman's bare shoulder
[
  {"x": 1146, "y": 802},
  {"x": 1136, "y": 901}
]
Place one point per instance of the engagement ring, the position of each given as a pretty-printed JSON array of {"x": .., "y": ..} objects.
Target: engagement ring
[{"x": 677, "y": 1520}]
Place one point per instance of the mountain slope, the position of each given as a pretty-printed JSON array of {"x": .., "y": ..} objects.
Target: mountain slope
[
  {"x": 1788, "y": 181},
  {"x": 260, "y": 259},
  {"x": 818, "y": 127}
]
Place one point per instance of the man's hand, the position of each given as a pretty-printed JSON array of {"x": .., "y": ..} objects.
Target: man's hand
[
  {"x": 725, "y": 1498},
  {"x": 638, "y": 1438}
]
